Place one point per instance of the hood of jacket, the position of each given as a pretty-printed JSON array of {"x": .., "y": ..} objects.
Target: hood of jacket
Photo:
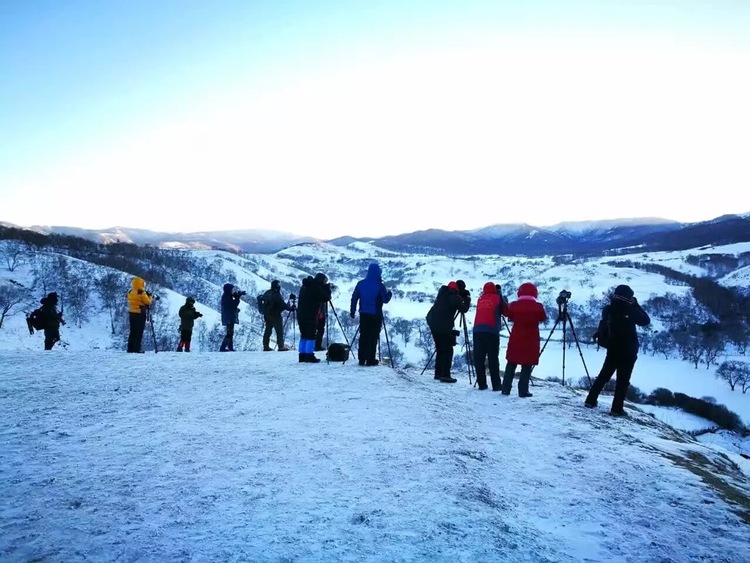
[
  {"x": 138, "y": 283},
  {"x": 528, "y": 289},
  {"x": 374, "y": 272},
  {"x": 228, "y": 287},
  {"x": 489, "y": 287}
]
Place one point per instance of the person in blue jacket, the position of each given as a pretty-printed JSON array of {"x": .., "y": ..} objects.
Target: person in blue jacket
[{"x": 371, "y": 294}]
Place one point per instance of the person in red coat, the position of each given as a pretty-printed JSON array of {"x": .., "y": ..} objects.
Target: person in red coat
[
  {"x": 523, "y": 345},
  {"x": 486, "y": 334}
]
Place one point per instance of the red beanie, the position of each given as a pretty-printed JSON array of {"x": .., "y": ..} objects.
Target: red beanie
[{"x": 453, "y": 285}]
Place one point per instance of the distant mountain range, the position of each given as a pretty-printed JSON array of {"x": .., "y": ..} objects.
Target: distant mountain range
[{"x": 594, "y": 237}]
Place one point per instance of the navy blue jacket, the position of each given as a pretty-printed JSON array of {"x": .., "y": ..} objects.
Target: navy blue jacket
[{"x": 229, "y": 306}]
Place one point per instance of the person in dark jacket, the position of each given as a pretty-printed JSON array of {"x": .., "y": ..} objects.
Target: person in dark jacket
[
  {"x": 371, "y": 294},
  {"x": 139, "y": 301},
  {"x": 523, "y": 343},
  {"x": 486, "y": 335},
  {"x": 624, "y": 314},
  {"x": 314, "y": 294},
  {"x": 450, "y": 301},
  {"x": 187, "y": 314},
  {"x": 52, "y": 320},
  {"x": 230, "y": 311},
  {"x": 272, "y": 317}
]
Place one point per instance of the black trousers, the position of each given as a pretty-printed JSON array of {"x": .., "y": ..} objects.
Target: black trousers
[
  {"x": 137, "y": 326},
  {"x": 186, "y": 335},
  {"x": 51, "y": 336},
  {"x": 273, "y": 323},
  {"x": 523, "y": 380},
  {"x": 487, "y": 349},
  {"x": 306, "y": 328},
  {"x": 228, "y": 342},
  {"x": 623, "y": 365},
  {"x": 444, "y": 342},
  {"x": 369, "y": 334}
]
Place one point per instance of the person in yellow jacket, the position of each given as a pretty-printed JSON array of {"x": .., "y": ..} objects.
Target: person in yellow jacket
[{"x": 139, "y": 301}]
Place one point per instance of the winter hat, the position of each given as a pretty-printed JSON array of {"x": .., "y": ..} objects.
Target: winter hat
[
  {"x": 528, "y": 289},
  {"x": 489, "y": 287},
  {"x": 453, "y": 285},
  {"x": 52, "y": 297},
  {"x": 190, "y": 300},
  {"x": 275, "y": 284},
  {"x": 321, "y": 277},
  {"x": 624, "y": 291},
  {"x": 228, "y": 287}
]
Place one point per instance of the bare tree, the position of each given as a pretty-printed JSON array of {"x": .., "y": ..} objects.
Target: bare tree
[
  {"x": 112, "y": 290},
  {"x": 14, "y": 253},
  {"x": 690, "y": 345},
  {"x": 12, "y": 299},
  {"x": 425, "y": 342},
  {"x": 403, "y": 327},
  {"x": 734, "y": 373}
]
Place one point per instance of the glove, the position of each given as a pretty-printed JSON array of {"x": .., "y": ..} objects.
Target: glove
[
  {"x": 351, "y": 315},
  {"x": 198, "y": 315},
  {"x": 390, "y": 294}
]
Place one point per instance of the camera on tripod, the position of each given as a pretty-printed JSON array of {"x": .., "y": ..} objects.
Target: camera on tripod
[
  {"x": 239, "y": 293},
  {"x": 292, "y": 297},
  {"x": 562, "y": 299}
]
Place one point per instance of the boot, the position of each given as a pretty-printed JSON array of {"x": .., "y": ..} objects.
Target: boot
[
  {"x": 267, "y": 349},
  {"x": 223, "y": 345},
  {"x": 283, "y": 348},
  {"x": 230, "y": 345},
  {"x": 312, "y": 359},
  {"x": 179, "y": 346},
  {"x": 302, "y": 358},
  {"x": 448, "y": 379},
  {"x": 187, "y": 346}
]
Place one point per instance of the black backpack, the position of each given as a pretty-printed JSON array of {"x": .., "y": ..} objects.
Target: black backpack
[
  {"x": 603, "y": 334},
  {"x": 264, "y": 303},
  {"x": 337, "y": 352},
  {"x": 36, "y": 320}
]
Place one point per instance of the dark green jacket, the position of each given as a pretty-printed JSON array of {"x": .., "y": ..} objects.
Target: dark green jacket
[{"x": 188, "y": 314}]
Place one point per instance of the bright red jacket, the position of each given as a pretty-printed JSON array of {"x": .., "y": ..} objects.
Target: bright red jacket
[
  {"x": 489, "y": 308},
  {"x": 526, "y": 313}
]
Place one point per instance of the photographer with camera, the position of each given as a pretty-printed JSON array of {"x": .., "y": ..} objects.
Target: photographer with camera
[
  {"x": 526, "y": 313},
  {"x": 623, "y": 314},
  {"x": 451, "y": 300},
  {"x": 313, "y": 296},
  {"x": 230, "y": 315},
  {"x": 486, "y": 335},
  {"x": 371, "y": 294},
  {"x": 139, "y": 300},
  {"x": 275, "y": 306},
  {"x": 52, "y": 320},
  {"x": 187, "y": 314}
]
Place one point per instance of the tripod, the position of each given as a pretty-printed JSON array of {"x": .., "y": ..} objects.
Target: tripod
[
  {"x": 293, "y": 315},
  {"x": 564, "y": 316},
  {"x": 150, "y": 321}
]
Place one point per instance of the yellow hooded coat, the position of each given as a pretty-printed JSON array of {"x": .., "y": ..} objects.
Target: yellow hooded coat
[{"x": 138, "y": 300}]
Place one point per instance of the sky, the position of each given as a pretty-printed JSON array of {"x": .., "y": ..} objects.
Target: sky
[
  {"x": 367, "y": 119},
  {"x": 216, "y": 457}
]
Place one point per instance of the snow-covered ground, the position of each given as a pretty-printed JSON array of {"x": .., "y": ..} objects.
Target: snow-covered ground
[{"x": 253, "y": 457}]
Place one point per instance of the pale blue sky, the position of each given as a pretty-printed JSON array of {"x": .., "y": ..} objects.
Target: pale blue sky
[{"x": 371, "y": 118}]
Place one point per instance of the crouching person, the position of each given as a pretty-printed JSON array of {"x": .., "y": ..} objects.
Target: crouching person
[{"x": 188, "y": 314}]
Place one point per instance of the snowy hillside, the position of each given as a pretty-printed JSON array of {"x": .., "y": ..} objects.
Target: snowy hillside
[{"x": 251, "y": 456}]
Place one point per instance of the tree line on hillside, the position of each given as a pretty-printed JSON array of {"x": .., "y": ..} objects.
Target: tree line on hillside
[{"x": 698, "y": 327}]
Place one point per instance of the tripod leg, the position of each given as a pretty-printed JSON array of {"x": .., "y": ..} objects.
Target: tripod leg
[
  {"x": 429, "y": 360},
  {"x": 580, "y": 352},
  {"x": 388, "y": 343},
  {"x": 340, "y": 325}
]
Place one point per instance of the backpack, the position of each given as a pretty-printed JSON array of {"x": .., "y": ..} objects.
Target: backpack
[
  {"x": 337, "y": 352},
  {"x": 36, "y": 320},
  {"x": 264, "y": 303},
  {"x": 603, "y": 334}
]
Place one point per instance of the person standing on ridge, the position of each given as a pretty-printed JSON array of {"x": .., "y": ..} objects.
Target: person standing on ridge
[{"x": 371, "y": 294}]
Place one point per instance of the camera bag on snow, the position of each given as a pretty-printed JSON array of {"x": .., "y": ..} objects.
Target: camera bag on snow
[{"x": 337, "y": 352}]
